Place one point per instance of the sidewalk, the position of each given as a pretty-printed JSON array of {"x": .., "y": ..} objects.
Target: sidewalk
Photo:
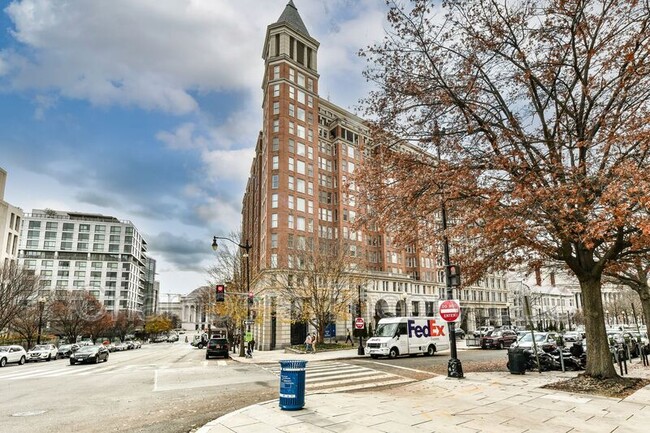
[{"x": 482, "y": 402}]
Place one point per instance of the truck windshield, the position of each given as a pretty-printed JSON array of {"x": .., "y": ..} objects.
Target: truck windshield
[{"x": 386, "y": 330}]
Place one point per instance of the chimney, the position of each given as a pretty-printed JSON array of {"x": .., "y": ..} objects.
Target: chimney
[
  {"x": 538, "y": 276},
  {"x": 553, "y": 279}
]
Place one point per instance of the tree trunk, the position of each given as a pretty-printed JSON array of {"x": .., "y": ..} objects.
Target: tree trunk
[
  {"x": 242, "y": 334},
  {"x": 645, "y": 305},
  {"x": 599, "y": 359}
]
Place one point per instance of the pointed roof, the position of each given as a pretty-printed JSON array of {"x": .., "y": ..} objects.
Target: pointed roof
[{"x": 291, "y": 17}]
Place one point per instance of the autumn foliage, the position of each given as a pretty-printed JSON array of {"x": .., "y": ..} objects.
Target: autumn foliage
[{"x": 531, "y": 123}]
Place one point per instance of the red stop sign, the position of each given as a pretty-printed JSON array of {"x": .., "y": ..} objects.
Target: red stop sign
[{"x": 449, "y": 310}]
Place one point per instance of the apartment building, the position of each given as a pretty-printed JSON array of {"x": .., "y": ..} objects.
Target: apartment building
[
  {"x": 300, "y": 195},
  {"x": 80, "y": 251},
  {"x": 10, "y": 219}
]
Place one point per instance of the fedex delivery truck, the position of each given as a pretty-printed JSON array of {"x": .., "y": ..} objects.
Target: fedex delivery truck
[{"x": 407, "y": 336}]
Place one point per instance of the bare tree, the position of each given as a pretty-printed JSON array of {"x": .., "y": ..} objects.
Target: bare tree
[
  {"x": 536, "y": 116},
  {"x": 319, "y": 284},
  {"x": 70, "y": 312},
  {"x": 125, "y": 323},
  {"x": 26, "y": 323},
  {"x": 100, "y": 326},
  {"x": 230, "y": 270},
  {"x": 17, "y": 286}
]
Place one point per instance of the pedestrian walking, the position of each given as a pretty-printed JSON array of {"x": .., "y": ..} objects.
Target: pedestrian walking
[
  {"x": 251, "y": 345},
  {"x": 314, "y": 340},
  {"x": 349, "y": 338},
  {"x": 308, "y": 343}
]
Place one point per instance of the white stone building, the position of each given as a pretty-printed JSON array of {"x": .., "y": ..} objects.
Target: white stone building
[
  {"x": 10, "y": 220},
  {"x": 80, "y": 251}
]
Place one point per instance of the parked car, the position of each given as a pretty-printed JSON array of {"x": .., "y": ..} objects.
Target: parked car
[
  {"x": 200, "y": 340},
  {"x": 137, "y": 344},
  {"x": 217, "y": 347},
  {"x": 93, "y": 354},
  {"x": 546, "y": 341},
  {"x": 42, "y": 352},
  {"x": 572, "y": 336},
  {"x": 65, "y": 350},
  {"x": 482, "y": 331},
  {"x": 12, "y": 354},
  {"x": 498, "y": 339},
  {"x": 121, "y": 346},
  {"x": 460, "y": 334}
]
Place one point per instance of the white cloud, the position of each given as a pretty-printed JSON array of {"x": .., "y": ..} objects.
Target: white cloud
[{"x": 148, "y": 53}]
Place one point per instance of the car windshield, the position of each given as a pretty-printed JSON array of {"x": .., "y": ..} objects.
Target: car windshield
[
  {"x": 4, "y": 349},
  {"x": 40, "y": 347},
  {"x": 528, "y": 338},
  {"x": 218, "y": 341},
  {"x": 65, "y": 346},
  {"x": 87, "y": 349},
  {"x": 386, "y": 330}
]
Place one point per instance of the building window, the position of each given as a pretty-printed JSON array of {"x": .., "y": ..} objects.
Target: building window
[
  {"x": 290, "y": 202},
  {"x": 291, "y": 182},
  {"x": 275, "y": 181},
  {"x": 276, "y": 72},
  {"x": 276, "y": 108},
  {"x": 100, "y": 229},
  {"x": 290, "y": 221},
  {"x": 274, "y": 260},
  {"x": 274, "y": 220},
  {"x": 276, "y": 125},
  {"x": 274, "y": 201},
  {"x": 34, "y": 224},
  {"x": 300, "y": 186},
  {"x": 276, "y": 144},
  {"x": 300, "y": 204},
  {"x": 276, "y": 162},
  {"x": 290, "y": 164},
  {"x": 274, "y": 240},
  {"x": 276, "y": 90},
  {"x": 300, "y": 167}
]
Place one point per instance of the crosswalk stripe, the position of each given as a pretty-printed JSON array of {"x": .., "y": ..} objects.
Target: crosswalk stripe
[{"x": 330, "y": 377}]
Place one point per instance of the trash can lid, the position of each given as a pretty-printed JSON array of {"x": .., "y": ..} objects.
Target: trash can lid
[{"x": 293, "y": 363}]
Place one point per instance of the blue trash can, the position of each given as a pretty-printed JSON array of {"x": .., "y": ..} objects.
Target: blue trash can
[{"x": 292, "y": 384}]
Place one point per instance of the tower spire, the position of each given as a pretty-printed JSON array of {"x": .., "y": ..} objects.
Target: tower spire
[{"x": 291, "y": 17}]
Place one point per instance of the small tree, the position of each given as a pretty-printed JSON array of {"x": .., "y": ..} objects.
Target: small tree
[
  {"x": 125, "y": 323},
  {"x": 17, "y": 286},
  {"x": 26, "y": 324},
  {"x": 158, "y": 324},
  {"x": 320, "y": 284},
  {"x": 71, "y": 312},
  {"x": 100, "y": 326}
]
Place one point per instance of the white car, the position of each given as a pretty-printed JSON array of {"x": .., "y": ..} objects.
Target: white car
[
  {"x": 12, "y": 354},
  {"x": 42, "y": 352}
]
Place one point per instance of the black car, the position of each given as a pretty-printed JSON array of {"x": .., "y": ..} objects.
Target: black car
[
  {"x": 217, "y": 347},
  {"x": 66, "y": 350},
  {"x": 92, "y": 354}
]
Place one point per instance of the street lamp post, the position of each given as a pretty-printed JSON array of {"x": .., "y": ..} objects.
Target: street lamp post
[
  {"x": 454, "y": 367},
  {"x": 41, "y": 307},
  {"x": 246, "y": 247},
  {"x": 360, "y": 351}
]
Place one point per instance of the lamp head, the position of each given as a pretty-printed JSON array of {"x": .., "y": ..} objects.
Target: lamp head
[{"x": 214, "y": 243}]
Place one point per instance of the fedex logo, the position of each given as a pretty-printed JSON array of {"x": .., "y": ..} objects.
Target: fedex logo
[{"x": 430, "y": 330}]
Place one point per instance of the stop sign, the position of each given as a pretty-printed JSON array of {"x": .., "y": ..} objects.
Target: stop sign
[
  {"x": 449, "y": 310},
  {"x": 359, "y": 323}
]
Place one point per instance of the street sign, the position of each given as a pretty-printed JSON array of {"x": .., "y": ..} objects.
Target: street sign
[
  {"x": 449, "y": 310},
  {"x": 359, "y": 323}
]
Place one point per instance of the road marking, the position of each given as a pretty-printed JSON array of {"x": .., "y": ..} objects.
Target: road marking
[
  {"x": 155, "y": 380},
  {"x": 222, "y": 363},
  {"x": 400, "y": 367}
]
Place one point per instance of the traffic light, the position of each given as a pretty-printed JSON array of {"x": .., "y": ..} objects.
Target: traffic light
[
  {"x": 453, "y": 275},
  {"x": 250, "y": 298},
  {"x": 221, "y": 292}
]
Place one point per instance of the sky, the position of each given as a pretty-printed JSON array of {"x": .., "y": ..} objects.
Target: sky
[{"x": 149, "y": 110}]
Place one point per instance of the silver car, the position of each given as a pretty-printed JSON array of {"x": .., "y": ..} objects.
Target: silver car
[
  {"x": 42, "y": 352},
  {"x": 12, "y": 354}
]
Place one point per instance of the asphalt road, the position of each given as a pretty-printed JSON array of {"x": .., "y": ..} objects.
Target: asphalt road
[{"x": 166, "y": 388}]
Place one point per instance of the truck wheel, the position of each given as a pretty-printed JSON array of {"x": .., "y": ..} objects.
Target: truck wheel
[
  {"x": 200, "y": 346},
  {"x": 431, "y": 350},
  {"x": 393, "y": 353},
  {"x": 500, "y": 345}
]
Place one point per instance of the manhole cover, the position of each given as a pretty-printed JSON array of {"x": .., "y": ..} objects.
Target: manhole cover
[{"x": 30, "y": 413}]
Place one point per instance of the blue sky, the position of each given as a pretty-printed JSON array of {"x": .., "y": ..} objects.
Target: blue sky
[{"x": 149, "y": 110}]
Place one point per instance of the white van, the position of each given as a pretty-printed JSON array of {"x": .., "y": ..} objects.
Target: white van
[{"x": 407, "y": 336}]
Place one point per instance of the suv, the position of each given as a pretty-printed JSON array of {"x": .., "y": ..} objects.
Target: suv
[
  {"x": 482, "y": 331},
  {"x": 217, "y": 347},
  {"x": 43, "y": 352},
  {"x": 12, "y": 353}
]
